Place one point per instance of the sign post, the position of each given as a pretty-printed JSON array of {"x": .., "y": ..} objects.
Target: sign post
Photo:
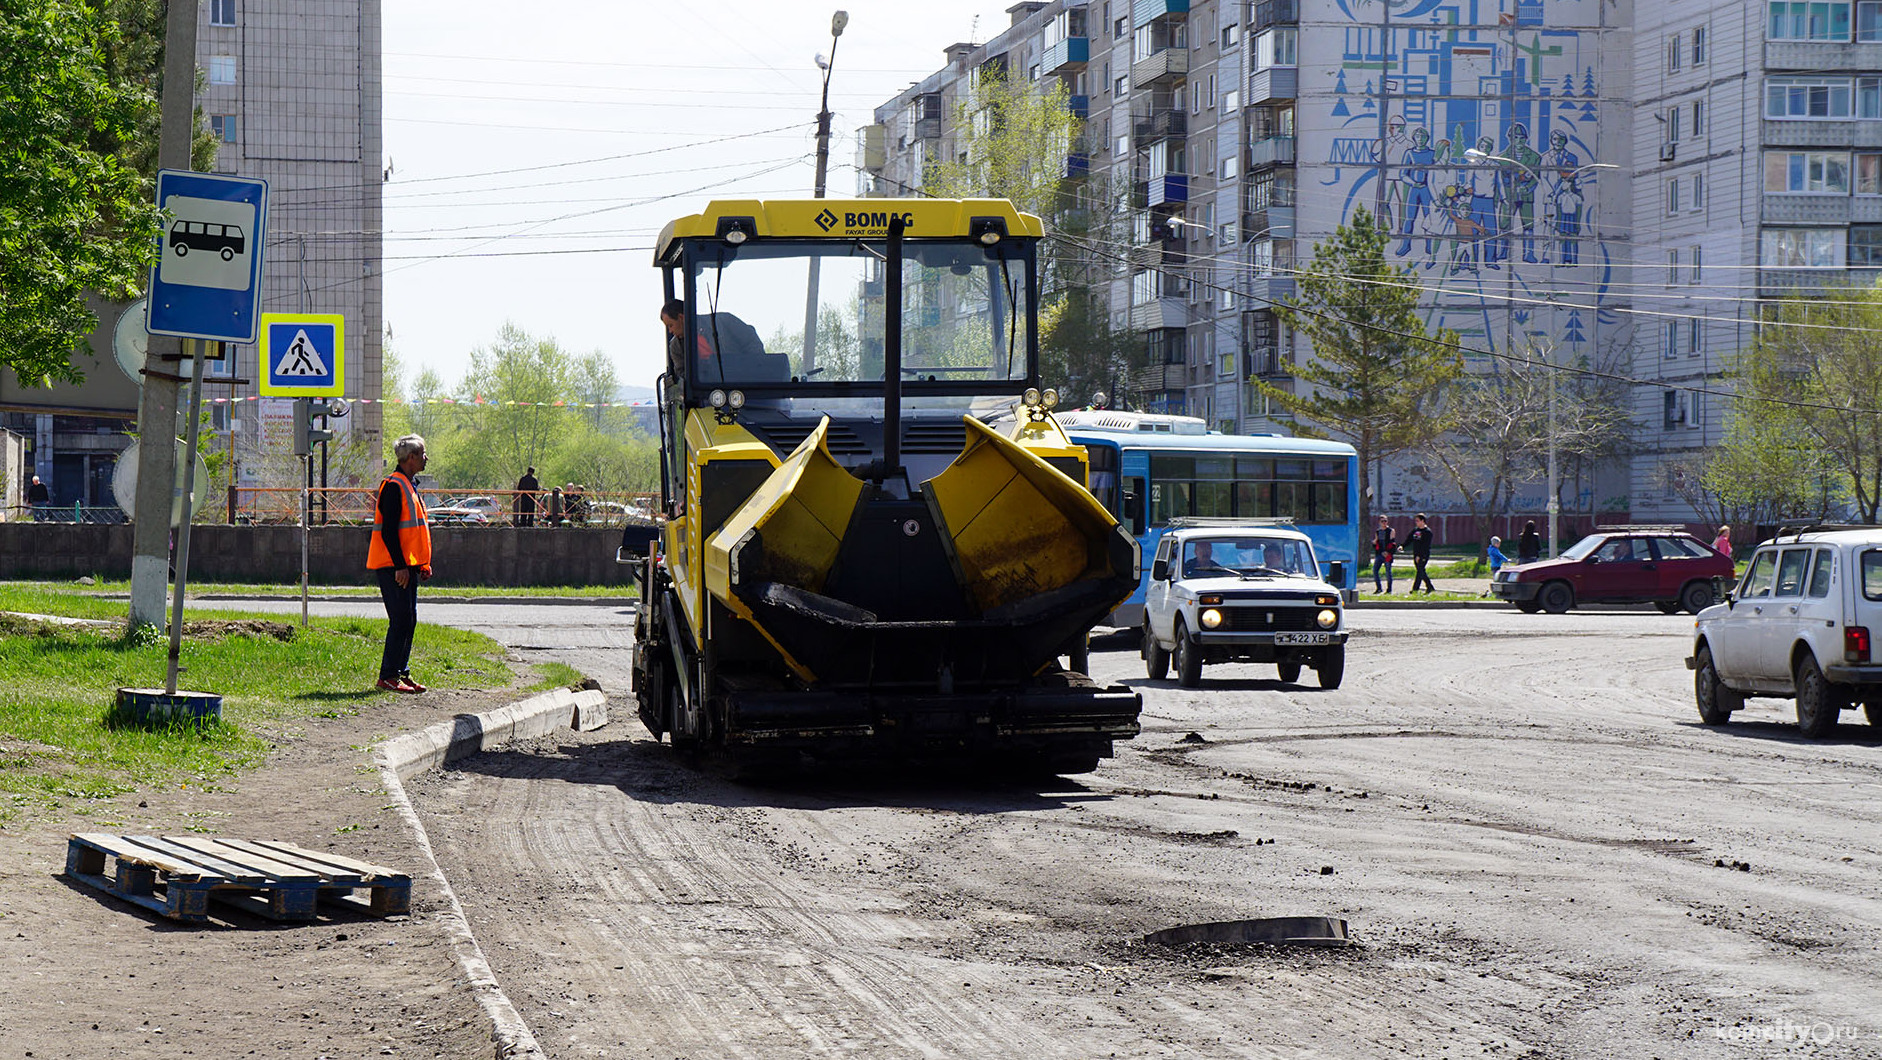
[{"x": 303, "y": 356}]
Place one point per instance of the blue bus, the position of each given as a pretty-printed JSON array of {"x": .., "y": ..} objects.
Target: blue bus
[{"x": 1148, "y": 469}]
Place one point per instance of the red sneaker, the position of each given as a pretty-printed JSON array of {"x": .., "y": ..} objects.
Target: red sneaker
[
  {"x": 386, "y": 685},
  {"x": 406, "y": 684}
]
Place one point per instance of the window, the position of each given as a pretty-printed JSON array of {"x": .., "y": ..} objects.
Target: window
[
  {"x": 1809, "y": 20},
  {"x": 1869, "y": 21},
  {"x": 1672, "y": 409},
  {"x": 1822, "y": 572},
  {"x": 1865, "y": 246},
  {"x": 1231, "y": 36},
  {"x": 1674, "y": 52},
  {"x": 1675, "y": 119},
  {"x": 223, "y": 125},
  {"x": 1672, "y": 266},
  {"x": 1277, "y": 47},
  {"x": 1802, "y": 248},
  {"x": 1806, "y": 172},
  {"x": 1032, "y": 72},
  {"x": 1231, "y": 101},
  {"x": 1231, "y": 167},
  {"x": 1696, "y": 255},
  {"x": 1671, "y": 348},
  {"x": 1869, "y": 98},
  {"x": 1698, "y": 192},
  {"x": 1791, "y": 570},
  {"x": 1672, "y": 196},
  {"x": 1698, "y": 119},
  {"x": 1868, "y": 174},
  {"x": 1120, "y": 86},
  {"x": 1120, "y": 29},
  {"x": 1695, "y": 342},
  {"x": 222, "y": 12},
  {"x": 1800, "y": 98},
  {"x": 1699, "y": 46},
  {"x": 1123, "y": 146},
  {"x": 1195, "y": 98},
  {"x": 1212, "y": 91},
  {"x": 222, "y": 69}
]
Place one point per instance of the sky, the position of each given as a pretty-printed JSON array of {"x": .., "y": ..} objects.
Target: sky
[{"x": 537, "y": 150}]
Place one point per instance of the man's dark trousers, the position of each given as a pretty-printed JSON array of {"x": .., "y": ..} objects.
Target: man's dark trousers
[{"x": 402, "y": 620}]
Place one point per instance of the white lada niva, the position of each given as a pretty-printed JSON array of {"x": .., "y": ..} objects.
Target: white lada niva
[{"x": 1241, "y": 593}]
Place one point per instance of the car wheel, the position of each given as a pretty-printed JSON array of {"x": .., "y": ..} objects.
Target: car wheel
[
  {"x": 1716, "y": 702},
  {"x": 1188, "y": 659},
  {"x": 1696, "y": 597},
  {"x": 1332, "y": 668},
  {"x": 1666, "y": 607},
  {"x": 1819, "y": 702},
  {"x": 1556, "y": 597},
  {"x": 1528, "y": 607},
  {"x": 1156, "y": 660},
  {"x": 1289, "y": 671}
]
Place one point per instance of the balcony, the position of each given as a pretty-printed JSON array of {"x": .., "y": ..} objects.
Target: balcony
[
  {"x": 1159, "y": 124},
  {"x": 1077, "y": 165},
  {"x": 1165, "y": 312},
  {"x": 1837, "y": 56},
  {"x": 927, "y": 128},
  {"x": 1066, "y": 56},
  {"x": 1159, "y": 377},
  {"x": 1275, "y": 13},
  {"x": 1822, "y": 133},
  {"x": 1271, "y": 290},
  {"x": 1170, "y": 64},
  {"x": 1275, "y": 222},
  {"x": 1276, "y": 82},
  {"x": 1270, "y": 362},
  {"x": 1806, "y": 209},
  {"x": 1144, "y": 12},
  {"x": 1080, "y": 106},
  {"x": 1778, "y": 283},
  {"x": 1273, "y": 151},
  {"x": 1169, "y": 188}
]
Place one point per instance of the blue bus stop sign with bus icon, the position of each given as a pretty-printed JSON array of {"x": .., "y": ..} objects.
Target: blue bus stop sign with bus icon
[{"x": 207, "y": 282}]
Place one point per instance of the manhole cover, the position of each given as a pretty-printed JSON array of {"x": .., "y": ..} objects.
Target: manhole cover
[{"x": 1273, "y": 930}]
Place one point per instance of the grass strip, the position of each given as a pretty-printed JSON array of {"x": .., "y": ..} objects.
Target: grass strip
[{"x": 61, "y": 740}]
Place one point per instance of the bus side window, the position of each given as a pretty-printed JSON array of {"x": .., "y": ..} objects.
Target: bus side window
[{"x": 1132, "y": 515}]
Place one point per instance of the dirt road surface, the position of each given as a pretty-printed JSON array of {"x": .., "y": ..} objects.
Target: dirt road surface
[{"x": 1540, "y": 850}]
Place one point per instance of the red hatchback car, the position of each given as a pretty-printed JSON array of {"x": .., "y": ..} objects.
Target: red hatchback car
[{"x": 1664, "y": 566}]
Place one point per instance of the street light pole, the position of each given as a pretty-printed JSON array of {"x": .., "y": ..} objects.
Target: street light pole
[
  {"x": 1554, "y": 505},
  {"x": 837, "y": 22}
]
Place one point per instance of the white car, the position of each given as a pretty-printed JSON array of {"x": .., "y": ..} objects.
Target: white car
[
  {"x": 1244, "y": 593},
  {"x": 1798, "y": 626}
]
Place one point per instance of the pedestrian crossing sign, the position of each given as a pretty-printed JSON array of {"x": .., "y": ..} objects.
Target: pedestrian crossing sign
[{"x": 303, "y": 354}]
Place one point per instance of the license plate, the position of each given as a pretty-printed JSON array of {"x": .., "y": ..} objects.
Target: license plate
[{"x": 1303, "y": 638}]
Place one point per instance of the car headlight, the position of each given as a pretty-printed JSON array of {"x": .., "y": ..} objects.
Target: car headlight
[
  {"x": 1328, "y": 618},
  {"x": 1211, "y": 618}
]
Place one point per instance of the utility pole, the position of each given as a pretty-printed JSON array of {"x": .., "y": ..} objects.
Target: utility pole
[
  {"x": 157, "y": 405},
  {"x": 837, "y": 22}
]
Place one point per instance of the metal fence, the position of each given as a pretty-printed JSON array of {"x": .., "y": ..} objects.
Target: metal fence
[{"x": 466, "y": 508}]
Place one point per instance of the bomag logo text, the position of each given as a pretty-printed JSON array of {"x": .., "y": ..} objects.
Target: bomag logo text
[{"x": 879, "y": 219}]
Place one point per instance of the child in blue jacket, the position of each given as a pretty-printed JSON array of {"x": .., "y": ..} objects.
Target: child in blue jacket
[{"x": 1497, "y": 558}]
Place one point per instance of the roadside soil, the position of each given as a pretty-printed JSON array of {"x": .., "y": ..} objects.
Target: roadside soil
[{"x": 83, "y": 974}]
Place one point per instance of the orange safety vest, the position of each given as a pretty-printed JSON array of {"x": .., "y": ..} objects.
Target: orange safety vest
[{"x": 414, "y": 531}]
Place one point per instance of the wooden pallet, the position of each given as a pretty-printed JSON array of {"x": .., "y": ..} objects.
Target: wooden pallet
[{"x": 178, "y": 875}]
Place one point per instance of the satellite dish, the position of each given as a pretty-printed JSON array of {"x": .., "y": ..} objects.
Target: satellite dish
[{"x": 124, "y": 485}]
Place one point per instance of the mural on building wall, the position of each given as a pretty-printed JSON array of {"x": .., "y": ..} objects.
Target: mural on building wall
[{"x": 1469, "y": 128}]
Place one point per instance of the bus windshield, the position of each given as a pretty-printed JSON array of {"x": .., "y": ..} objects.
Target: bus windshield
[{"x": 966, "y": 319}]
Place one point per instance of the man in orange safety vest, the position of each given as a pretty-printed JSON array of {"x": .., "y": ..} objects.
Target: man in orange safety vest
[{"x": 400, "y": 555}]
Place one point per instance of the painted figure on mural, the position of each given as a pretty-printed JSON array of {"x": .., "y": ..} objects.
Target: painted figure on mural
[
  {"x": 1416, "y": 175},
  {"x": 1392, "y": 147},
  {"x": 1565, "y": 197},
  {"x": 1518, "y": 199},
  {"x": 1466, "y": 235},
  {"x": 1482, "y": 178}
]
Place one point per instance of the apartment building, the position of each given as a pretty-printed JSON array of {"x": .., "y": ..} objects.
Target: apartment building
[{"x": 293, "y": 90}]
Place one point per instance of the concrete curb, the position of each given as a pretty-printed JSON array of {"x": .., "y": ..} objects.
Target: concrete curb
[{"x": 407, "y": 756}]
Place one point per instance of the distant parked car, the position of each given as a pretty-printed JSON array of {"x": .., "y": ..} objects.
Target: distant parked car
[
  {"x": 456, "y": 515},
  {"x": 1664, "y": 566}
]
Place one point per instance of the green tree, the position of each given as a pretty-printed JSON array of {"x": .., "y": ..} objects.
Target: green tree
[
  {"x": 1013, "y": 138},
  {"x": 1376, "y": 373},
  {"x": 75, "y": 215},
  {"x": 1079, "y": 353},
  {"x": 596, "y": 384},
  {"x": 133, "y": 54},
  {"x": 519, "y": 388}
]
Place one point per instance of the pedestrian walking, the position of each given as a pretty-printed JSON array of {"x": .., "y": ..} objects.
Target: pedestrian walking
[
  {"x": 39, "y": 497},
  {"x": 1497, "y": 558},
  {"x": 526, "y": 488},
  {"x": 1384, "y": 547},
  {"x": 1420, "y": 541},
  {"x": 1528, "y": 544},
  {"x": 400, "y": 555},
  {"x": 1722, "y": 544}
]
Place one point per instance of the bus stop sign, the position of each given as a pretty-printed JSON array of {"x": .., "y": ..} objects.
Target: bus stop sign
[{"x": 207, "y": 281}]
